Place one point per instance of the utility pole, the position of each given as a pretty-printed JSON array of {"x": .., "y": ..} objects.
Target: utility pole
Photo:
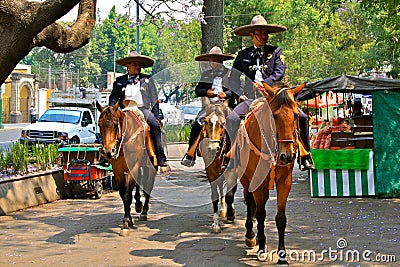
[
  {"x": 115, "y": 54},
  {"x": 49, "y": 76},
  {"x": 137, "y": 29}
]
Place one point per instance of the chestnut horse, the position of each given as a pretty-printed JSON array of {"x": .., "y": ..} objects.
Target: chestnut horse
[
  {"x": 211, "y": 148},
  {"x": 123, "y": 137},
  {"x": 268, "y": 160}
]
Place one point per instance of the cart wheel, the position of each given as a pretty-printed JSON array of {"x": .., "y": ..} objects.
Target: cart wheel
[{"x": 98, "y": 190}]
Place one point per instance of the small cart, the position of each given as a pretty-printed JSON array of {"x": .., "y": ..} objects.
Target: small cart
[{"x": 81, "y": 173}]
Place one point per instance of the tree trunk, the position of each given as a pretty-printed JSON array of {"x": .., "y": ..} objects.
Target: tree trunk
[
  {"x": 212, "y": 33},
  {"x": 24, "y": 25}
]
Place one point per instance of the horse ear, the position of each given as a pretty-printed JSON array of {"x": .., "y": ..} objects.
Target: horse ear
[
  {"x": 99, "y": 106},
  {"x": 298, "y": 89},
  {"x": 267, "y": 91},
  {"x": 115, "y": 107}
]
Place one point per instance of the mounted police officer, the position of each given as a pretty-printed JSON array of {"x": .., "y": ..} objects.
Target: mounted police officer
[
  {"x": 212, "y": 85},
  {"x": 139, "y": 87},
  {"x": 259, "y": 63}
]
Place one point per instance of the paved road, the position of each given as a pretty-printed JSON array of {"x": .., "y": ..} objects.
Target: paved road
[{"x": 84, "y": 232}]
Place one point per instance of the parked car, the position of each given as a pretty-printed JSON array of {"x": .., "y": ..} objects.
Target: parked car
[{"x": 190, "y": 113}]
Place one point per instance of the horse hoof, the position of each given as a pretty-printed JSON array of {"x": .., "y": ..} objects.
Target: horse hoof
[
  {"x": 250, "y": 242},
  {"x": 222, "y": 214},
  {"x": 139, "y": 209},
  {"x": 282, "y": 263},
  {"x": 216, "y": 228},
  {"x": 262, "y": 255},
  {"x": 143, "y": 217},
  {"x": 124, "y": 232},
  {"x": 230, "y": 218}
]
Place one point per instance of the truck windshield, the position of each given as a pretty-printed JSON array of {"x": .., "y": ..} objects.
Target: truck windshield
[{"x": 60, "y": 115}]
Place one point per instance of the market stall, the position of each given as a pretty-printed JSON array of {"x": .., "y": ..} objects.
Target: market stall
[{"x": 359, "y": 156}]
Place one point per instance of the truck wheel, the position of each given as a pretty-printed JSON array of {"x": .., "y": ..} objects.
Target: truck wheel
[{"x": 74, "y": 140}]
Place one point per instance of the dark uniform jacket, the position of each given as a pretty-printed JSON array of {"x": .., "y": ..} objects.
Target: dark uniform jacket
[
  {"x": 147, "y": 89},
  {"x": 273, "y": 69},
  {"x": 206, "y": 81}
]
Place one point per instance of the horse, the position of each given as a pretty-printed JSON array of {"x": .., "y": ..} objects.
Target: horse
[
  {"x": 125, "y": 139},
  {"x": 269, "y": 159},
  {"x": 211, "y": 148}
]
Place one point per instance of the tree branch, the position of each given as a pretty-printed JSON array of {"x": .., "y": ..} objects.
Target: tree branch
[{"x": 64, "y": 40}]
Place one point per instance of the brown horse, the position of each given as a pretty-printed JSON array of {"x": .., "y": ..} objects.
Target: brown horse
[
  {"x": 260, "y": 168},
  {"x": 123, "y": 138},
  {"x": 211, "y": 148}
]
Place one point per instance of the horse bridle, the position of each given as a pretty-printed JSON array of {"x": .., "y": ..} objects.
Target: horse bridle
[
  {"x": 296, "y": 128},
  {"x": 120, "y": 141},
  {"x": 221, "y": 141}
]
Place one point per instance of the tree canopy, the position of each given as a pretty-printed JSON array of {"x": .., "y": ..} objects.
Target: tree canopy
[{"x": 324, "y": 37}]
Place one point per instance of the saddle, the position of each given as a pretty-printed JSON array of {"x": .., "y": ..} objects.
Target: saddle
[{"x": 132, "y": 109}]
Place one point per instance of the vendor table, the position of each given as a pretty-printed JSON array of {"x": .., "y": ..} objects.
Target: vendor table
[{"x": 348, "y": 172}]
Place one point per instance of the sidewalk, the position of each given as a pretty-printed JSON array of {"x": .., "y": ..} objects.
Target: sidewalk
[{"x": 14, "y": 126}]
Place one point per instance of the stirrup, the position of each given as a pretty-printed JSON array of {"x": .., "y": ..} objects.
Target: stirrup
[{"x": 187, "y": 162}]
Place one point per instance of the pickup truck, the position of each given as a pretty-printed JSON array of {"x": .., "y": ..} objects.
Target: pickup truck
[{"x": 63, "y": 125}]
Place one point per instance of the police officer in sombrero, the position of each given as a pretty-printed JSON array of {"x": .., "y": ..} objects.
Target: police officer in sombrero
[
  {"x": 139, "y": 87},
  {"x": 260, "y": 62},
  {"x": 217, "y": 74}
]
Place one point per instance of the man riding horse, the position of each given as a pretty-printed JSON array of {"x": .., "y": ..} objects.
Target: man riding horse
[
  {"x": 259, "y": 63},
  {"x": 210, "y": 81},
  {"x": 140, "y": 88}
]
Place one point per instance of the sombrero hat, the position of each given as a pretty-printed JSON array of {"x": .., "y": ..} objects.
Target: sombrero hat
[
  {"x": 144, "y": 61},
  {"x": 258, "y": 23},
  {"x": 215, "y": 52}
]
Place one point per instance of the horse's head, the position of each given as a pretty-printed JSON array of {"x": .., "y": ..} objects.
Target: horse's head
[
  {"x": 110, "y": 124},
  {"x": 285, "y": 111},
  {"x": 214, "y": 125}
]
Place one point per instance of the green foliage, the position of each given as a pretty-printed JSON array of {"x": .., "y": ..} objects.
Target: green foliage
[
  {"x": 19, "y": 158},
  {"x": 177, "y": 133},
  {"x": 44, "y": 156},
  {"x": 324, "y": 38}
]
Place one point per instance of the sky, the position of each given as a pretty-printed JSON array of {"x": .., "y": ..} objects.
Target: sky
[{"x": 104, "y": 6}]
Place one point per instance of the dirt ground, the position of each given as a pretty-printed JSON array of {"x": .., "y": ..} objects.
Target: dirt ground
[{"x": 85, "y": 231}]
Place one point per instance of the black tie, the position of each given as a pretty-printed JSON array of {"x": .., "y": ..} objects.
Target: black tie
[
  {"x": 133, "y": 80},
  {"x": 257, "y": 53}
]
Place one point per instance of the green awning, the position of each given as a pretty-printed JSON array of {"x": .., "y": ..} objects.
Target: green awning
[{"x": 346, "y": 159}]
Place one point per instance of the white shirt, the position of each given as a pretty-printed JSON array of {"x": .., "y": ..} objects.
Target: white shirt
[
  {"x": 258, "y": 77},
  {"x": 132, "y": 92}
]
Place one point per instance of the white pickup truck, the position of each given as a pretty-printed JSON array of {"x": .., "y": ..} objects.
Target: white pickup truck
[{"x": 63, "y": 125}]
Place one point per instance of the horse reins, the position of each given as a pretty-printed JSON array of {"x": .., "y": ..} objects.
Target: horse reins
[{"x": 134, "y": 135}]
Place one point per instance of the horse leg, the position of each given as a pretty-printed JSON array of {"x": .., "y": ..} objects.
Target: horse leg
[
  {"x": 143, "y": 214},
  {"x": 125, "y": 193},
  {"x": 231, "y": 185},
  {"x": 138, "y": 202},
  {"x": 222, "y": 212},
  {"x": 261, "y": 196},
  {"x": 250, "y": 238},
  {"x": 282, "y": 189},
  {"x": 215, "y": 227},
  {"x": 148, "y": 177}
]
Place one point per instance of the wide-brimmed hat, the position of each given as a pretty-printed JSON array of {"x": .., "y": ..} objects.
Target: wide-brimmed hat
[
  {"x": 215, "y": 52},
  {"x": 144, "y": 61},
  {"x": 258, "y": 23}
]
